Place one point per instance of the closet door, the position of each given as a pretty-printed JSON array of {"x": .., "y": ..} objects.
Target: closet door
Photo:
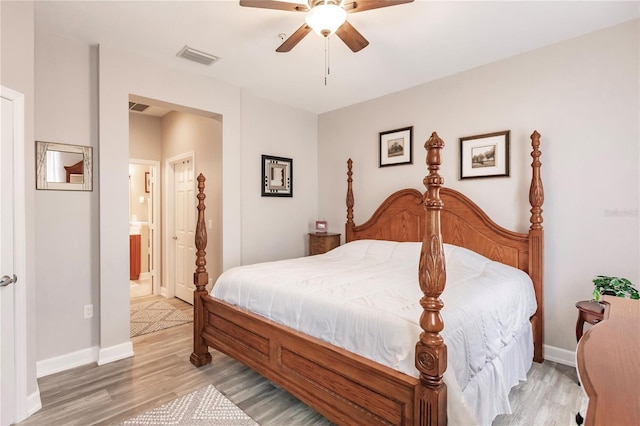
[{"x": 184, "y": 232}]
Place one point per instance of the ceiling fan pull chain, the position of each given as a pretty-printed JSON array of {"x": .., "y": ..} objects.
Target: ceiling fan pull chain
[{"x": 326, "y": 59}]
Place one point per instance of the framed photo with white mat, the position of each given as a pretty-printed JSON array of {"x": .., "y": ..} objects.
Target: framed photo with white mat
[{"x": 484, "y": 155}]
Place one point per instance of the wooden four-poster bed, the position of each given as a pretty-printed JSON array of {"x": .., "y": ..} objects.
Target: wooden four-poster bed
[{"x": 348, "y": 388}]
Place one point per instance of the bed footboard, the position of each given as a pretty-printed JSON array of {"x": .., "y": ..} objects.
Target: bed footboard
[{"x": 344, "y": 387}]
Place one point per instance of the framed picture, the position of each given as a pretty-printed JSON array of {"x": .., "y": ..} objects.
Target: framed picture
[
  {"x": 396, "y": 147},
  {"x": 277, "y": 176},
  {"x": 321, "y": 226},
  {"x": 147, "y": 182},
  {"x": 484, "y": 155}
]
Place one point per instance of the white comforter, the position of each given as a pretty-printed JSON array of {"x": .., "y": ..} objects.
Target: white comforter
[{"x": 364, "y": 297}]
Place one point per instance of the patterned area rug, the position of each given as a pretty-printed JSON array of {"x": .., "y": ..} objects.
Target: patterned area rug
[
  {"x": 206, "y": 406},
  {"x": 157, "y": 315}
]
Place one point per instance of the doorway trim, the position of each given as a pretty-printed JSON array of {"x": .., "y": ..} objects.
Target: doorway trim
[
  {"x": 20, "y": 259},
  {"x": 155, "y": 196},
  {"x": 168, "y": 270}
]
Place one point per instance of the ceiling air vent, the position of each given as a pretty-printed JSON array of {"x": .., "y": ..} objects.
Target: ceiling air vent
[
  {"x": 197, "y": 56},
  {"x": 137, "y": 107}
]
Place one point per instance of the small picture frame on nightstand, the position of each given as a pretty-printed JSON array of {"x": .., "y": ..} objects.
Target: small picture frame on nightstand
[{"x": 321, "y": 226}]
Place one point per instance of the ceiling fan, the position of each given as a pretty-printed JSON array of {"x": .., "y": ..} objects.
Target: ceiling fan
[{"x": 325, "y": 17}]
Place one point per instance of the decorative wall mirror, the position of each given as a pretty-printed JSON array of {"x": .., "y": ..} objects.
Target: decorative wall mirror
[{"x": 63, "y": 167}]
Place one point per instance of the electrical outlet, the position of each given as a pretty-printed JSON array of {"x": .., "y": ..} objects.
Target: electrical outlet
[{"x": 88, "y": 311}]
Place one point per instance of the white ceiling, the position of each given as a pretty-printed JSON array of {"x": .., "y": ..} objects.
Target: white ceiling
[{"x": 410, "y": 44}]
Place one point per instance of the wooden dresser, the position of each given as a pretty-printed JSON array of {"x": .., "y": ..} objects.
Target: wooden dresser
[
  {"x": 608, "y": 358},
  {"x": 322, "y": 242}
]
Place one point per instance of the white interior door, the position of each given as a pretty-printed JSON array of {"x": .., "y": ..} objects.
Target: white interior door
[
  {"x": 152, "y": 260},
  {"x": 8, "y": 382},
  {"x": 184, "y": 229}
]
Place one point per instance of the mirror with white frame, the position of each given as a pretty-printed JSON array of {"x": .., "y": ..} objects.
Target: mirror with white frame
[{"x": 63, "y": 167}]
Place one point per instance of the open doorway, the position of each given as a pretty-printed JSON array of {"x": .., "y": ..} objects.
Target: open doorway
[{"x": 144, "y": 247}]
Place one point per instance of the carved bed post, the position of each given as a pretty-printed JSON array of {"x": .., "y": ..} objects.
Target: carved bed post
[
  {"x": 431, "y": 352},
  {"x": 200, "y": 355},
  {"x": 536, "y": 244},
  {"x": 349, "y": 225}
]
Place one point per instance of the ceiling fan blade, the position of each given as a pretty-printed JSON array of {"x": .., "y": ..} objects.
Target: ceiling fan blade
[
  {"x": 294, "y": 39},
  {"x": 277, "y": 5},
  {"x": 362, "y": 5},
  {"x": 351, "y": 37}
]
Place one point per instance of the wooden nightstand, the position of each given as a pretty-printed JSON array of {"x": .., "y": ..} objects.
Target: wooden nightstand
[
  {"x": 322, "y": 242},
  {"x": 588, "y": 311}
]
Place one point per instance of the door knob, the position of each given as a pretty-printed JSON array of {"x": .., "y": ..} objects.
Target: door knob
[
  {"x": 6, "y": 280},
  {"x": 175, "y": 237}
]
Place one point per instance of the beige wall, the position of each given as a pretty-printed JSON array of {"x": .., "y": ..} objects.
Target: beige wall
[
  {"x": 276, "y": 228},
  {"x": 145, "y": 137},
  {"x": 582, "y": 95},
  {"x": 66, "y": 221}
]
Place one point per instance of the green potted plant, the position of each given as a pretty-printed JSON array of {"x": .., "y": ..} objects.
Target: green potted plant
[{"x": 614, "y": 286}]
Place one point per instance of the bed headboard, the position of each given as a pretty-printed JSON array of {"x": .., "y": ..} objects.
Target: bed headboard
[{"x": 401, "y": 218}]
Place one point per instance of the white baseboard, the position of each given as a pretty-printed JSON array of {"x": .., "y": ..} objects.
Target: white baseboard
[
  {"x": 83, "y": 357},
  {"x": 67, "y": 361},
  {"x": 559, "y": 355},
  {"x": 34, "y": 404},
  {"x": 115, "y": 353},
  {"x": 144, "y": 276}
]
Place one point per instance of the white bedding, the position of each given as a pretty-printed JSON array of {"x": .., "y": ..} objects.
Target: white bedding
[{"x": 364, "y": 296}]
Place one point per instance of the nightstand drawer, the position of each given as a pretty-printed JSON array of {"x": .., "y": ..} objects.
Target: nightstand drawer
[{"x": 322, "y": 242}]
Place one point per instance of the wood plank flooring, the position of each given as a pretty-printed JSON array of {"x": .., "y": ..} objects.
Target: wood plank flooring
[{"x": 160, "y": 371}]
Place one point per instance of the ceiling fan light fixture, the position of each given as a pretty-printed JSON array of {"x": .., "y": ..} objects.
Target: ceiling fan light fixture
[{"x": 326, "y": 17}]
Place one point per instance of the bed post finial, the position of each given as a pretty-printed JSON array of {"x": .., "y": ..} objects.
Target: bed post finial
[
  {"x": 431, "y": 352},
  {"x": 200, "y": 355},
  {"x": 201, "y": 276},
  {"x": 536, "y": 192},
  {"x": 349, "y": 225}
]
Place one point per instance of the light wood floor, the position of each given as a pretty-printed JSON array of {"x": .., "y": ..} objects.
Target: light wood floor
[{"x": 160, "y": 371}]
